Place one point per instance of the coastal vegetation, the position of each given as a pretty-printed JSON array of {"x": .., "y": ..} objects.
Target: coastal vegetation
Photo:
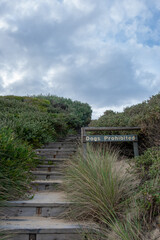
[
  {"x": 116, "y": 191},
  {"x": 41, "y": 119},
  {"x": 120, "y": 196},
  {"x": 119, "y": 193}
]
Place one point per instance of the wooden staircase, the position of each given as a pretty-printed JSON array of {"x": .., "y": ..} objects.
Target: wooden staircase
[{"x": 40, "y": 218}]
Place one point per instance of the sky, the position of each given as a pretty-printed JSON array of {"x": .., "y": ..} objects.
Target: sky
[{"x": 103, "y": 52}]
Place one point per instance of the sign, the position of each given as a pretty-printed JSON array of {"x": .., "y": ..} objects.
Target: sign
[{"x": 111, "y": 138}]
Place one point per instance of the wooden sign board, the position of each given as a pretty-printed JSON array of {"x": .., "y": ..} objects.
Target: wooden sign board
[{"x": 111, "y": 138}]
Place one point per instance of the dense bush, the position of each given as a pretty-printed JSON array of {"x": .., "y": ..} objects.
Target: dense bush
[
  {"x": 137, "y": 115},
  {"x": 78, "y": 114},
  {"x": 16, "y": 160},
  {"x": 41, "y": 119}
]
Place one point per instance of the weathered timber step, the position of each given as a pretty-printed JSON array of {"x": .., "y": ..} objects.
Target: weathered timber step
[
  {"x": 48, "y": 150},
  {"x": 60, "y": 145},
  {"x": 53, "y": 161},
  {"x": 52, "y": 204},
  {"x": 48, "y": 168},
  {"x": 45, "y": 175},
  {"x": 73, "y": 140},
  {"x": 56, "y": 155},
  {"x": 40, "y": 228},
  {"x": 46, "y": 185}
]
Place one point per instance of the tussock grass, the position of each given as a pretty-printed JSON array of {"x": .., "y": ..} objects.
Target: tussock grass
[
  {"x": 118, "y": 230},
  {"x": 127, "y": 230},
  {"x": 103, "y": 191},
  {"x": 99, "y": 189}
]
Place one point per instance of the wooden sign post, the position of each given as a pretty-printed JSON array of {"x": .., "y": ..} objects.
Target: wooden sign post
[{"x": 109, "y": 138}]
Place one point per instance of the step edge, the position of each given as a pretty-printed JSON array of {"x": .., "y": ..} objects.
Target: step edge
[{"x": 56, "y": 204}]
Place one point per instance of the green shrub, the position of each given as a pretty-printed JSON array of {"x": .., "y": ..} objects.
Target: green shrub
[
  {"x": 16, "y": 160},
  {"x": 149, "y": 199},
  {"x": 148, "y": 164},
  {"x": 148, "y": 167},
  {"x": 42, "y": 119},
  {"x": 77, "y": 114}
]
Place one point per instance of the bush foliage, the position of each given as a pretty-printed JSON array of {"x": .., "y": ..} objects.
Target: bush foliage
[
  {"x": 16, "y": 160},
  {"x": 41, "y": 119}
]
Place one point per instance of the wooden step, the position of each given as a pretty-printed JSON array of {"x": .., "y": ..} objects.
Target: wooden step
[
  {"x": 47, "y": 167},
  {"x": 58, "y": 145},
  {"x": 52, "y": 150},
  {"x": 55, "y": 154},
  {"x": 50, "y": 204},
  {"x": 53, "y": 161},
  {"x": 45, "y": 175},
  {"x": 40, "y": 228},
  {"x": 46, "y": 185}
]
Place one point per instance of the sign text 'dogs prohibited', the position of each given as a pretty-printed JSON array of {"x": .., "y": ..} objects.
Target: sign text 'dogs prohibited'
[{"x": 111, "y": 138}]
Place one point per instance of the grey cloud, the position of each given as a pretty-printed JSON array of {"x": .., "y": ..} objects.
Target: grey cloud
[
  {"x": 27, "y": 86},
  {"x": 112, "y": 83},
  {"x": 41, "y": 43}
]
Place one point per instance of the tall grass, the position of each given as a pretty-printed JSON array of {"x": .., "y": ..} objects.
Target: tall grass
[
  {"x": 98, "y": 186},
  {"x": 123, "y": 230},
  {"x": 102, "y": 191}
]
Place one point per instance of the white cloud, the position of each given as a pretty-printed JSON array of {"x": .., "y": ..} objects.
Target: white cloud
[
  {"x": 97, "y": 112},
  {"x": 81, "y": 5},
  {"x": 10, "y": 76},
  {"x": 85, "y": 50},
  {"x": 52, "y": 75},
  {"x": 5, "y": 26}
]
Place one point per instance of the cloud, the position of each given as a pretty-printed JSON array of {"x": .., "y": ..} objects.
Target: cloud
[{"x": 105, "y": 53}]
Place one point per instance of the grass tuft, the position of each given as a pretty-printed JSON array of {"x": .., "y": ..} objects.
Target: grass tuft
[{"x": 98, "y": 186}]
